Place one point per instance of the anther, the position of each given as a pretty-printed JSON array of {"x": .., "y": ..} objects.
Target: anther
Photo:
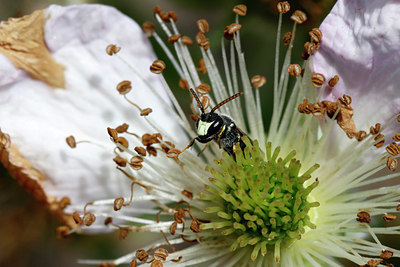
[
  {"x": 294, "y": 70},
  {"x": 172, "y": 228},
  {"x": 240, "y": 10},
  {"x": 62, "y": 231},
  {"x": 380, "y": 143},
  {"x": 234, "y": 27},
  {"x": 118, "y": 203},
  {"x": 361, "y": 135},
  {"x": 317, "y": 79},
  {"x": 142, "y": 255},
  {"x": 186, "y": 40},
  {"x": 77, "y": 218},
  {"x": 146, "y": 111},
  {"x": 122, "y": 128},
  {"x": 151, "y": 150},
  {"x": 333, "y": 81},
  {"x": 363, "y": 217},
  {"x": 112, "y": 49},
  {"x": 173, "y": 153},
  {"x": 203, "y": 26},
  {"x": 108, "y": 220},
  {"x": 345, "y": 101},
  {"x": 71, "y": 141},
  {"x": 133, "y": 263},
  {"x": 123, "y": 232},
  {"x": 158, "y": 11},
  {"x": 287, "y": 38},
  {"x": 205, "y": 101},
  {"x": 309, "y": 48},
  {"x": 157, "y": 67},
  {"x": 202, "y": 66},
  {"x": 375, "y": 129},
  {"x": 195, "y": 226},
  {"x": 64, "y": 202},
  {"x": 183, "y": 84},
  {"x": 148, "y": 29},
  {"x": 88, "y": 219},
  {"x": 283, "y": 7},
  {"x": 141, "y": 151},
  {"x": 316, "y": 35},
  {"x": 173, "y": 38},
  {"x": 202, "y": 40},
  {"x": 187, "y": 194},
  {"x": 396, "y": 137},
  {"x": 203, "y": 89},
  {"x": 124, "y": 87},
  {"x": 136, "y": 160},
  {"x": 112, "y": 133},
  {"x": 123, "y": 141},
  {"x": 156, "y": 263},
  {"x": 393, "y": 149},
  {"x": 161, "y": 254},
  {"x": 170, "y": 15},
  {"x": 167, "y": 148},
  {"x": 389, "y": 217},
  {"x": 120, "y": 161},
  {"x": 257, "y": 81},
  {"x": 299, "y": 17}
]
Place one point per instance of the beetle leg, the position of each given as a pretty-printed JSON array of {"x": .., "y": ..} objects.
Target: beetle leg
[{"x": 190, "y": 144}]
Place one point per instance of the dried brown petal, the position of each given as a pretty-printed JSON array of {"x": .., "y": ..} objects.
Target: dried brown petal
[
  {"x": 283, "y": 7},
  {"x": 317, "y": 79},
  {"x": 257, "y": 81},
  {"x": 112, "y": 49},
  {"x": 364, "y": 217},
  {"x": 157, "y": 67},
  {"x": 316, "y": 35},
  {"x": 186, "y": 40},
  {"x": 294, "y": 70},
  {"x": 287, "y": 38},
  {"x": 173, "y": 38},
  {"x": 203, "y": 89},
  {"x": 71, "y": 141},
  {"x": 118, "y": 203},
  {"x": 124, "y": 87},
  {"x": 241, "y": 10},
  {"x": 333, "y": 81},
  {"x": 88, "y": 218},
  {"x": 120, "y": 161},
  {"x": 299, "y": 17},
  {"x": 203, "y": 26},
  {"x": 146, "y": 111},
  {"x": 389, "y": 217},
  {"x": 183, "y": 84},
  {"x": 140, "y": 150},
  {"x": 161, "y": 254},
  {"x": 148, "y": 28}
]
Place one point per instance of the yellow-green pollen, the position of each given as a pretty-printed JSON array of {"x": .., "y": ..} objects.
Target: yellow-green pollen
[{"x": 260, "y": 203}]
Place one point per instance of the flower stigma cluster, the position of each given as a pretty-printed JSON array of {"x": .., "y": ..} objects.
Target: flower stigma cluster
[{"x": 304, "y": 191}]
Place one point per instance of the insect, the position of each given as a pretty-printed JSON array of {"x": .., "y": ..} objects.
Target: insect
[{"x": 220, "y": 128}]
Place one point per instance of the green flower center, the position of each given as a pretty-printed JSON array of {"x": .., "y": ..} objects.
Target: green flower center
[{"x": 260, "y": 203}]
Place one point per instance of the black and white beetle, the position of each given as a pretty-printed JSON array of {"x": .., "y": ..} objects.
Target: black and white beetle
[{"x": 220, "y": 128}]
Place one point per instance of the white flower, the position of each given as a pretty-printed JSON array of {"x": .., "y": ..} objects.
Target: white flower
[{"x": 307, "y": 193}]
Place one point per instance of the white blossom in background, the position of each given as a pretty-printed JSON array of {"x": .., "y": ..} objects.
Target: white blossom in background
[{"x": 317, "y": 185}]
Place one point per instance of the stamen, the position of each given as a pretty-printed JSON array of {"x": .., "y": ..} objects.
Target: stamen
[
  {"x": 317, "y": 79},
  {"x": 157, "y": 66},
  {"x": 112, "y": 49},
  {"x": 203, "y": 26},
  {"x": 299, "y": 17},
  {"x": 294, "y": 70},
  {"x": 258, "y": 81},
  {"x": 333, "y": 81},
  {"x": 283, "y": 7}
]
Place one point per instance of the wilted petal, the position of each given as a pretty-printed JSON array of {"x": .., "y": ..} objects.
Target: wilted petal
[
  {"x": 360, "y": 44},
  {"x": 38, "y": 118}
]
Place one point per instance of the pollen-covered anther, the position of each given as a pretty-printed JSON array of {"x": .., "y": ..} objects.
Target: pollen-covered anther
[
  {"x": 309, "y": 48},
  {"x": 156, "y": 263},
  {"x": 136, "y": 162},
  {"x": 375, "y": 129},
  {"x": 77, "y": 218},
  {"x": 203, "y": 89},
  {"x": 386, "y": 254},
  {"x": 145, "y": 111},
  {"x": 195, "y": 226},
  {"x": 201, "y": 67},
  {"x": 173, "y": 38},
  {"x": 333, "y": 81},
  {"x": 372, "y": 263},
  {"x": 184, "y": 84},
  {"x": 173, "y": 153},
  {"x": 64, "y": 202},
  {"x": 360, "y": 135},
  {"x": 203, "y": 26},
  {"x": 287, "y": 38},
  {"x": 118, "y": 203},
  {"x": 140, "y": 150},
  {"x": 170, "y": 15},
  {"x": 112, "y": 133},
  {"x": 283, "y": 7},
  {"x": 294, "y": 70},
  {"x": 205, "y": 101},
  {"x": 112, "y": 49},
  {"x": 316, "y": 35},
  {"x": 233, "y": 28},
  {"x": 88, "y": 219},
  {"x": 393, "y": 149},
  {"x": 258, "y": 81},
  {"x": 62, "y": 231},
  {"x": 124, "y": 87},
  {"x": 148, "y": 28},
  {"x": 123, "y": 141},
  {"x": 317, "y": 79},
  {"x": 202, "y": 41},
  {"x": 157, "y": 66},
  {"x": 363, "y": 217},
  {"x": 142, "y": 255},
  {"x": 71, "y": 141},
  {"x": 187, "y": 194},
  {"x": 120, "y": 161},
  {"x": 299, "y": 17},
  {"x": 240, "y": 10},
  {"x": 396, "y": 137},
  {"x": 345, "y": 101},
  {"x": 186, "y": 40},
  {"x": 389, "y": 217},
  {"x": 381, "y": 142},
  {"x": 160, "y": 254}
]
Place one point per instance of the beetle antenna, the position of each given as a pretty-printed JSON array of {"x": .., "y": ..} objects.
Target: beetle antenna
[
  {"x": 197, "y": 100},
  {"x": 226, "y": 101}
]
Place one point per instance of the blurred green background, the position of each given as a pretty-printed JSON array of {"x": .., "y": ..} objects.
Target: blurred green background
[{"x": 27, "y": 231}]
